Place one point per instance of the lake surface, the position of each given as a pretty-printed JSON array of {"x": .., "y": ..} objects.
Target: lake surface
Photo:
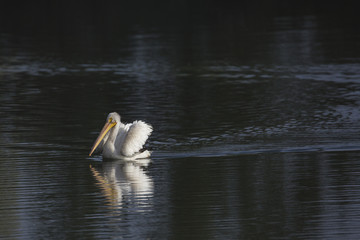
[{"x": 256, "y": 127}]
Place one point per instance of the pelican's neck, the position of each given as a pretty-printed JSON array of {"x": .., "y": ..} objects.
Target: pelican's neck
[
  {"x": 111, "y": 146},
  {"x": 113, "y": 133}
]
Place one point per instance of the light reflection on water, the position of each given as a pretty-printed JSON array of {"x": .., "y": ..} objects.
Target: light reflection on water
[
  {"x": 256, "y": 136},
  {"x": 125, "y": 183}
]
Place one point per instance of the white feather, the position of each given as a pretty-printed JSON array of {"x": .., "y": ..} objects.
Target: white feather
[{"x": 136, "y": 135}]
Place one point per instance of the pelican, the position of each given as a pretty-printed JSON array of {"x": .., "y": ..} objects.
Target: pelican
[{"x": 122, "y": 141}]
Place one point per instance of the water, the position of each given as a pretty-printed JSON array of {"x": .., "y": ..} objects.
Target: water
[{"x": 256, "y": 125}]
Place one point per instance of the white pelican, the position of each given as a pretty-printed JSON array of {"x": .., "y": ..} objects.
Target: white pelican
[{"x": 122, "y": 141}]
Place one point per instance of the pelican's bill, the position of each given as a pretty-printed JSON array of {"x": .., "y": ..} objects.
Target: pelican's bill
[{"x": 102, "y": 134}]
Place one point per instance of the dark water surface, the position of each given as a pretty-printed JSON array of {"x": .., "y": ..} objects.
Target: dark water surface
[{"x": 256, "y": 128}]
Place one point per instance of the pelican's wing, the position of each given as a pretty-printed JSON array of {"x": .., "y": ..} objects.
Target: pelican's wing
[{"x": 135, "y": 138}]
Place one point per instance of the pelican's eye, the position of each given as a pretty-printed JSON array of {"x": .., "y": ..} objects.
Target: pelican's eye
[{"x": 111, "y": 120}]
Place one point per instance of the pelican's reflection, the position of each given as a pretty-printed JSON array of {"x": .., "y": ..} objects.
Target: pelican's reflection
[{"x": 125, "y": 183}]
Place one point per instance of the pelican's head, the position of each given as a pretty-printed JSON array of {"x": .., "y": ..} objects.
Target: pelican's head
[
  {"x": 111, "y": 120},
  {"x": 114, "y": 116}
]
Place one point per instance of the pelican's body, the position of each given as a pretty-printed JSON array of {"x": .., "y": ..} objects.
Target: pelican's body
[{"x": 122, "y": 141}]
